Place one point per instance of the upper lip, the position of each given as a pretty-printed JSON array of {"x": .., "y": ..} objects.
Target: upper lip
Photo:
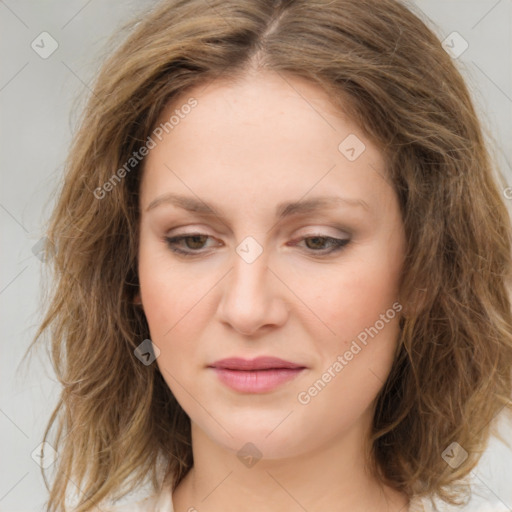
[{"x": 259, "y": 363}]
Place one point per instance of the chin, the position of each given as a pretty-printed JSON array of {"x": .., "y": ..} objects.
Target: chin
[{"x": 264, "y": 437}]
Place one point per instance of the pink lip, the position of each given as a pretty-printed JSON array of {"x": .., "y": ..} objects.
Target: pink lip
[
  {"x": 257, "y": 375},
  {"x": 260, "y": 363}
]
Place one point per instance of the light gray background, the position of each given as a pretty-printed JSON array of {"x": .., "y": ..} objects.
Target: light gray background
[{"x": 39, "y": 109}]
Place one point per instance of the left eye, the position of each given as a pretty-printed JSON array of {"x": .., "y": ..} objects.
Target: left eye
[
  {"x": 318, "y": 243},
  {"x": 195, "y": 241}
]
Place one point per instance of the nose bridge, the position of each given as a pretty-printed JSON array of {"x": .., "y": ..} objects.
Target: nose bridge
[
  {"x": 250, "y": 274},
  {"x": 249, "y": 295}
]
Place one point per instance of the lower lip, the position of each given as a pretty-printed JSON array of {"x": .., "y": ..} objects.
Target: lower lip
[{"x": 256, "y": 381}]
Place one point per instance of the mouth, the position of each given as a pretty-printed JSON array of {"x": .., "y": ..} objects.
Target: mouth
[{"x": 259, "y": 375}]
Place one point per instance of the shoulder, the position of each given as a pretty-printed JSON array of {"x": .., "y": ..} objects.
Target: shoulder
[
  {"x": 418, "y": 505},
  {"x": 421, "y": 504},
  {"x": 424, "y": 504},
  {"x": 161, "y": 502}
]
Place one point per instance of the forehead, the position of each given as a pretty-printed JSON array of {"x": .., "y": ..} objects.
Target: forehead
[
  {"x": 278, "y": 105},
  {"x": 260, "y": 134}
]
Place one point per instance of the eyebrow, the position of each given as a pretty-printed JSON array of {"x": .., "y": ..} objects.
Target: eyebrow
[{"x": 285, "y": 209}]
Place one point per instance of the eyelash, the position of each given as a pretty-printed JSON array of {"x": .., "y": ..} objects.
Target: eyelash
[{"x": 338, "y": 244}]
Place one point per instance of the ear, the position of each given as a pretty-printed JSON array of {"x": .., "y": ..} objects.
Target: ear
[
  {"x": 137, "y": 300},
  {"x": 415, "y": 304}
]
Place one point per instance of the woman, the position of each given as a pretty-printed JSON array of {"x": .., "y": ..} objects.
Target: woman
[{"x": 282, "y": 265}]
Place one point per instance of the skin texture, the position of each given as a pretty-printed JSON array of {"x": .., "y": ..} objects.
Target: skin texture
[{"x": 245, "y": 148}]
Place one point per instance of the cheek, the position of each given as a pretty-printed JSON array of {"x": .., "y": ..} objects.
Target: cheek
[
  {"x": 171, "y": 294},
  {"x": 350, "y": 298},
  {"x": 175, "y": 312}
]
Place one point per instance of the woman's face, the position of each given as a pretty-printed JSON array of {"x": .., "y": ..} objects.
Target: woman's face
[{"x": 268, "y": 270}]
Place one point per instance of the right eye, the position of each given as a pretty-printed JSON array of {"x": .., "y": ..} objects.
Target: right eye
[{"x": 193, "y": 242}]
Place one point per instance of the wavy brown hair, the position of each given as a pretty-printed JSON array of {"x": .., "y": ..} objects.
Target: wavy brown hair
[{"x": 117, "y": 421}]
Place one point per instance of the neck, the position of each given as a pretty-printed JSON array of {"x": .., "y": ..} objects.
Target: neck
[{"x": 334, "y": 477}]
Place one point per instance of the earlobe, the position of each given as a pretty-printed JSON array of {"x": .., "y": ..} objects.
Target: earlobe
[
  {"x": 415, "y": 304},
  {"x": 137, "y": 300}
]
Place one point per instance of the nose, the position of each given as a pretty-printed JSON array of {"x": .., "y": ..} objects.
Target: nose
[{"x": 252, "y": 297}]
